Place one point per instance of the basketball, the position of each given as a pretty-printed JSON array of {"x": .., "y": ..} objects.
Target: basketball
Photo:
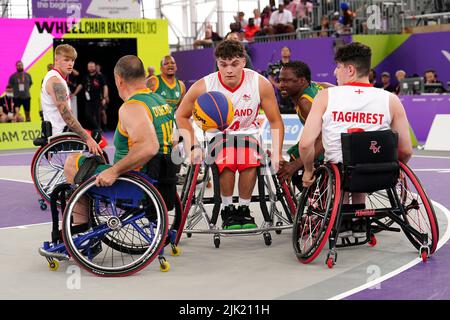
[{"x": 213, "y": 110}]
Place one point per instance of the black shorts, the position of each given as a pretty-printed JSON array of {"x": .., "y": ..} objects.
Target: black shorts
[
  {"x": 162, "y": 169},
  {"x": 22, "y": 102}
]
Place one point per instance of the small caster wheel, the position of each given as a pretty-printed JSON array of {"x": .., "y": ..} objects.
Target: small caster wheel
[
  {"x": 330, "y": 262},
  {"x": 164, "y": 265},
  {"x": 53, "y": 265},
  {"x": 42, "y": 204},
  {"x": 217, "y": 241},
  {"x": 372, "y": 241},
  {"x": 278, "y": 224},
  {"x": 175, "y": 251},
  {"x": 267, "y": 239},
  {"x": 424, "y": 252},
  {"x": 189, "y": 235}
]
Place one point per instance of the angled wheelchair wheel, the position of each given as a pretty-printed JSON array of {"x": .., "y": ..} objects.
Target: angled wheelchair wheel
[
  {"x": 316, "y": 213},
  {"x": 418, "y": 211},
  {"x": 47, "y": 168},
  {"x": 125, "y": 226}
]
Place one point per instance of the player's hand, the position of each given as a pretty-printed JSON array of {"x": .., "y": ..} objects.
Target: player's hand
[
  {"x": 93, "y": 146},
  {"x": 196, "y": 156},
  {"x": 103, "y": 102},
  {"x": 287, "y": 170},
  {"x": 308, "y": 178},
  {"x": 106, "y": 178}
]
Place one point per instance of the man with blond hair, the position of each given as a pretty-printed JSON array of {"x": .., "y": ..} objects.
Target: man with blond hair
[{"x": 55, "y": 97}]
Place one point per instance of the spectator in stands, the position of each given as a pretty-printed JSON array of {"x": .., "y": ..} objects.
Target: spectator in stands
[
  {"x": 21, "y": 82},
  {"x": 373, "y": 78},
  {"x": 400, "y": 75},
  {"x": 257, "y": 17},
  {"x": 386, "y": 82},
  {"x": 431, "y": 78},
  {"x": 272, "y": 6},
  {"x": 336, "y": 27},
  {"x": 304, "y": 11},
  {"x": 346, "y": 19},
  {"x": 265, "y": 18},
  {"x": 240, "y": 19},
  {"x": 280, "y": 22},
  {"x": 251, "y": 29},
  {"x": 273, "y": 72},
  {"x": 323, "y": 28},
  {"x": 291, "y": 5},
  {"x": 8, "y": 111},
  {"x": 210, "y": 38}
]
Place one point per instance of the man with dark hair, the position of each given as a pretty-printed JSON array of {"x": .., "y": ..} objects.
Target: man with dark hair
[
  {"x": 353, "y": 104},
  {"x": 167, "y": 84},
  {"x": 21, "y": 82},
  {"x": 96, "y": 93},
  {"x": 386, "y": 82},
  {"x": 296, "y": 84},
  {"x": 248, "y": 91}
]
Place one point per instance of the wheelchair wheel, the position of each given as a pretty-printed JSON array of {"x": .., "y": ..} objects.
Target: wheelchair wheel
[
  {"x": 418, "y": 210},
  {"x": 47, "y": 168},
  {"x": 316, "y": 213},
  {"x": 126, "y": 226}
]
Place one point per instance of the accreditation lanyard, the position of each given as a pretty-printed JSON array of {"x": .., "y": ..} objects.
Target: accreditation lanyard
[
  {"x": 23, "y": 78},
  {"x": 10, "y": 105}
]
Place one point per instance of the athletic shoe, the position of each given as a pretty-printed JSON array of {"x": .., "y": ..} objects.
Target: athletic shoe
[
  {"x": 247, "y": 221},
  {"x": 359, "y": 228},
  {"x": 230, "y": 218}
]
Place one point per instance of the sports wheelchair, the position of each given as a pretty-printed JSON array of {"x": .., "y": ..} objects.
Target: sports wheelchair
[
  {"x": 194, "y": 201},
  {"x": 394, "y": 200},
  {"x": 47, "y": 166},
  {"x": 126, "y": 226}
]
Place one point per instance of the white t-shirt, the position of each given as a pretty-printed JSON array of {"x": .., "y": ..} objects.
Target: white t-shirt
[
  {"x": 280, "y": 18},
  {"x": 49, "y": 109},
  {"x": 245, "y": 99},
  {"x": 352, "y": 106}
]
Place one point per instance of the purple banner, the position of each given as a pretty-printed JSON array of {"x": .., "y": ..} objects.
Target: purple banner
[
  {"x": 419, "y": 53},
  {"x": 421, "y": 110},
  {"x": 76, "y": 9}
]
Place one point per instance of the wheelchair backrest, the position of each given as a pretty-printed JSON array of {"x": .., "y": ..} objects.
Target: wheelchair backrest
[{"x": 370, "y": 160}]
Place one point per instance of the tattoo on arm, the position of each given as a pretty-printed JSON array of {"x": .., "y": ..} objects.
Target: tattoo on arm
[{"x": 61, "y": 100}]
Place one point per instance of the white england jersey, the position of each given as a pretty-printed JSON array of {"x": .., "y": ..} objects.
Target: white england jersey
[
  {"x": 245, "y": 99},
  {"x": 49, "y": 109},
  {"x": 355, "y": 105}
]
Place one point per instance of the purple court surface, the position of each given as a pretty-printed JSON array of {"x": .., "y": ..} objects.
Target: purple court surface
[{"x": 430, "y": 280}]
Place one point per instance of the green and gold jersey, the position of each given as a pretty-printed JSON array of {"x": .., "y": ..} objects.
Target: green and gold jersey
[
  {"x": 160, "y": 113},
  {"x": 171, "y": 93},
  {"x": 308, "y": 94}
]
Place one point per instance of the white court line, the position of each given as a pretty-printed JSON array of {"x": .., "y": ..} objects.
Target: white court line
[
  {"x": 26, "y": 226},
  {"x": 16, "y": 180},
  {"x": 436, "y": 157},
  {"x": 411, "y": 264}
]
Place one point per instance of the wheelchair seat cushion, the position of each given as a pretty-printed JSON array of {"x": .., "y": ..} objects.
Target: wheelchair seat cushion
[{"x": 89, "y": 166}]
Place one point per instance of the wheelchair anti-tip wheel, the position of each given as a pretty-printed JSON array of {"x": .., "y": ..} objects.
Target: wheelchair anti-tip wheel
[{"x": 125, "y": 226}]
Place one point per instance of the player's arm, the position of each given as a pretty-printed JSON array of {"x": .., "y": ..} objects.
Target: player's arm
[
  {"x": 77, "y": 89},
  {"x": 57, "y": 90},
  {"x": 184, "y": 113},
  {"x": 137, "y": 124},
  {"x": 270, "y": 107},
  {"x": 183, "y": 89},
  {"x": 152, "y": 83},
  {"x": 311, "y": 132},
  {"x": 305, "y": 107},
  {"x": 400, "y": 124}
]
